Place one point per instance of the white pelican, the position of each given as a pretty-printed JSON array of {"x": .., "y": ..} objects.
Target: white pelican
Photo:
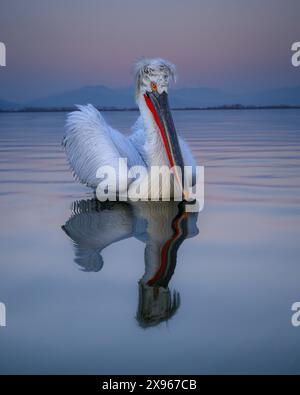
[
  {"x": 91, "y": 143},
  {"x": 162, "y": 226}
]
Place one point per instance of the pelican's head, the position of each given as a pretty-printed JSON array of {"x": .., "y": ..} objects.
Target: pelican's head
[
  {"x": 152, "y": 81},
  {"x": 153, "y": 75}
]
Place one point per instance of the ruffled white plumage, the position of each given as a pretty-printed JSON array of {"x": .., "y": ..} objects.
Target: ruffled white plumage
[{"x": 91, "y": 143}]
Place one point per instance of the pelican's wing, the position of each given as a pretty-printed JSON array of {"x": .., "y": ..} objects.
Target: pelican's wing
[{"x": 91, "y": 143}]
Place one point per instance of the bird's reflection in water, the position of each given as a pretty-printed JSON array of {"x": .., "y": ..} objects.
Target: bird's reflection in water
[{"x": 162, "y": 226}]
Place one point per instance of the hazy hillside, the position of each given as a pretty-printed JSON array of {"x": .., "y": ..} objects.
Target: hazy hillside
[
  {"x": 288, "y": 95},
  {"x": 6, "y": 105},
  {"x": 107, "y": 97},
  {"x": 97, "y": 95},
  {"x": 186, "y": 97}
]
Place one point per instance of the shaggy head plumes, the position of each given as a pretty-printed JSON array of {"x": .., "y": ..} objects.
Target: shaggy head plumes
[{"x": 153, "y": 74}]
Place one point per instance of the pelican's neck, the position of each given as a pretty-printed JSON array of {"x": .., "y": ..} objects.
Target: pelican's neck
[{"x": 155, "y": 149}]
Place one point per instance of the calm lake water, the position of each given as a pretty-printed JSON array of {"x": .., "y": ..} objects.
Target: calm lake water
[{"x": 116, "y": 289}]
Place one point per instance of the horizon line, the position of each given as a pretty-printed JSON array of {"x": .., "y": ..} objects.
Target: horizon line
[
  {"x": 108, "y": 108},
  {"x": 131, "y": 87}
]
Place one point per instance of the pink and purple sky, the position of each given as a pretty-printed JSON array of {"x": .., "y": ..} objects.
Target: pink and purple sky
[{"x": 234, "y": 45}]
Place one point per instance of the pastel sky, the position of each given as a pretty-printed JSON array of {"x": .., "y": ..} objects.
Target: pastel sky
[{"x": 233, "y": 45}]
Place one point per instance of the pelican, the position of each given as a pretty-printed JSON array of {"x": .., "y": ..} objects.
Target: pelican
[
  {"x": 90, "y": 142},
  {"x": 161, "y": 226}
]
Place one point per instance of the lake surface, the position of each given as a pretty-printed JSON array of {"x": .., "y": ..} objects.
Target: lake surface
[{"x": 115, "y": 289}]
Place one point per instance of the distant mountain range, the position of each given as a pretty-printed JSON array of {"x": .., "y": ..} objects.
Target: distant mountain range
[
  {"x": 6, "y": 105},
  {"x": 102, "y": 96}
]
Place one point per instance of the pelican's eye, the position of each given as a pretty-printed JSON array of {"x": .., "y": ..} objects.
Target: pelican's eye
[{"x": 153, "y": 86}]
